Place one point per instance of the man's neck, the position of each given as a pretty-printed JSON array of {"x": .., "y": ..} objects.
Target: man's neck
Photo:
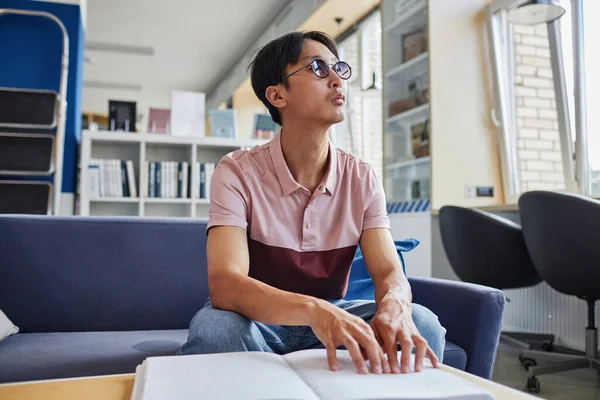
[{"x": 305, "y": 152}]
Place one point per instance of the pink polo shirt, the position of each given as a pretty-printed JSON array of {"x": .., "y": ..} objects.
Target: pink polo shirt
[{"x": 298, "y": 241}]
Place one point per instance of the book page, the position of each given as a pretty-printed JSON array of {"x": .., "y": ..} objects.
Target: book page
[
  {"x": 228, "y": 376},
  {"x": 347, "y": 384}
]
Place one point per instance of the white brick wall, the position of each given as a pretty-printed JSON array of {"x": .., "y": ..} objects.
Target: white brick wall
[{"x": 538, "y": 144}]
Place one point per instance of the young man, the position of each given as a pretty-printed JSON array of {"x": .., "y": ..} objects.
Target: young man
[{"x": 284, "y": 222}]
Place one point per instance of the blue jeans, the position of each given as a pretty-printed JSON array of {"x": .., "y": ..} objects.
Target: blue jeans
[{"x": 218, "y": 331}]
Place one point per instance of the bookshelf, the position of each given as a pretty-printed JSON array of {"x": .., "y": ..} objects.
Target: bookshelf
[
  {"x": 141, "y": 148},
  {"x": 407, "y": 161}
]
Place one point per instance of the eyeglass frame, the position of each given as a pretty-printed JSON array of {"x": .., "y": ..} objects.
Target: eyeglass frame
[{"x": 328, "y": 70}]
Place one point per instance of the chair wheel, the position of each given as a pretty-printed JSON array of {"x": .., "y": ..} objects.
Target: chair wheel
[
  {"x": 527, "y": 362},
  {"x": 533, "y": 385}
]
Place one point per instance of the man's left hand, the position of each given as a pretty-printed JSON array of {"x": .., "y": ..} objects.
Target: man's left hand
[{"x": 392, "y": 325}]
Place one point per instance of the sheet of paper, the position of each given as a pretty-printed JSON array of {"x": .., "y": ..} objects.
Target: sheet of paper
[
  {"x": 347, "y": 384},
  {"x": 228, "y": 376}
]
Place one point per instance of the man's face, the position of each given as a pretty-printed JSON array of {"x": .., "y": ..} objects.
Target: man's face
[{"x": 309, "y": 97}]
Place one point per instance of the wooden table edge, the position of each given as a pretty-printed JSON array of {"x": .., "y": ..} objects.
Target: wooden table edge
[{"x": 119, "y": 387}]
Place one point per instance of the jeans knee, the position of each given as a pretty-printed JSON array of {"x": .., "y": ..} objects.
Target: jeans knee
[
  {"x": 219, "y": 331},
  {"x": 430, "y": 328}
]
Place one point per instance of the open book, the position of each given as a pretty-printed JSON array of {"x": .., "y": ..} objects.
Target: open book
[{"x": 299, "y": 375}]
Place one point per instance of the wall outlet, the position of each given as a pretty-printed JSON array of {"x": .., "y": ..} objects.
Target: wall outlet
[{"x": 470, "y": 192}]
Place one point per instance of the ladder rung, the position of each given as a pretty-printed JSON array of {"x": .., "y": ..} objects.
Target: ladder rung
[
  {"x": 26, "y": 154},
  {"x": 25, "y": 197},
  {"x": 28, "y": 108}
]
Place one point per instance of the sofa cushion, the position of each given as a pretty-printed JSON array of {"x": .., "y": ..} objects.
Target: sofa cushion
[
  {"x": 455, "y": 356},
  {"x": 36, "y": 356},
  {"x": 7, "y": 328}
]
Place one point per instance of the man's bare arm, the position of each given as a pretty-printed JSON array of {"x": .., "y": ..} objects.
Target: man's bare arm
[
  {"x": 232, "y": 289},
  {"x": 393, "y": 323},
  {"x": 381, "y": 260}
]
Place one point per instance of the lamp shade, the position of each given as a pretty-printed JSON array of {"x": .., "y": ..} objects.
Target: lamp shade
[{"x": 536, "y": 12}]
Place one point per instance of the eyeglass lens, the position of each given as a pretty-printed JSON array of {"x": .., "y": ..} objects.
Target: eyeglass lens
[{"x": 321, "y": 69}]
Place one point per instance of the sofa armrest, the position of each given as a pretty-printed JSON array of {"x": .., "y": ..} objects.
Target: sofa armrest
[{"x": 471, "y": 314}]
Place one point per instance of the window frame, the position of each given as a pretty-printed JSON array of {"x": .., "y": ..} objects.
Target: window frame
[{"x": 503, "y": 113}]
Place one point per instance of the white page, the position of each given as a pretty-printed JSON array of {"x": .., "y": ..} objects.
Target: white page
[
  {"x": 347, "y": 384},
  {"x": 227, "y": 376}
]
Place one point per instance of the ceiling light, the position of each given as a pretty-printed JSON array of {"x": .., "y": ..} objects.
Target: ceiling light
[
  {"x": 536, "y": 12},
  {"x": 113, "y": 85},
  {"x": 120, "y": 48}
]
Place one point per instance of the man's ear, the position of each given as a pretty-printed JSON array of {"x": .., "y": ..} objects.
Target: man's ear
[{"x": 276, "y": 96}]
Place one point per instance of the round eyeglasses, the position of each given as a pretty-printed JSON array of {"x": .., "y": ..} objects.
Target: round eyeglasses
[{"x": 321, "y": 69}]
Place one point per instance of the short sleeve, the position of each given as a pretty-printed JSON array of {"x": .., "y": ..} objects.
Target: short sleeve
[
  {"x": 375, "y": 215},
  {"x": 228, "y": 196}
]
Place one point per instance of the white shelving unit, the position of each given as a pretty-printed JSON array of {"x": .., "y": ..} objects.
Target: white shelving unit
[
  {"x": 407, "y": 171},
  {"x": 142, "y": 147}
]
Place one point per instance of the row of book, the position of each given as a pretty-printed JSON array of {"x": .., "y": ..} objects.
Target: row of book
[
  {"x": 111, "y": 178},
  {"x": 173, "y": 179},
  {"x": 163, "y": 179}
]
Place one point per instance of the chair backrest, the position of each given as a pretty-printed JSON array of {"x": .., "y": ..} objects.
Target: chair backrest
[
  {"x": 486, "y": 249},
  {"x": 98, "y": 273},
  {"x": 562, "y": 233}
]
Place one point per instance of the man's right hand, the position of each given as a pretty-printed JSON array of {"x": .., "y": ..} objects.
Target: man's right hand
[{"x": 335, "y": 327}]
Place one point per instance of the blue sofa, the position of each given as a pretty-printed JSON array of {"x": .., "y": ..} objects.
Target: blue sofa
[{"x": 96, "y": 296}]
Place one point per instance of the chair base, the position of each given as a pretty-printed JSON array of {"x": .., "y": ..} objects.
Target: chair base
[
  {"x": 528, "y": 341},
  {"x": 562, "y": 361}
]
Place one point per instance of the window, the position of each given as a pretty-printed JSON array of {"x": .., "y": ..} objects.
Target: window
[
  {"x": 547, "y": 139},
  {"x": 361, "y": 132},
  {"x": 591, "y": 31}
]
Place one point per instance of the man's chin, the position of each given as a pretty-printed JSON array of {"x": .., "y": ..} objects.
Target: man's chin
[{"x": 338, "y": 117}]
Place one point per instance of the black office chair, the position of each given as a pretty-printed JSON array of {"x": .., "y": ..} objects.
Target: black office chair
[
  {"x": 562, "y": 234},
  {"x": 489, "y": 250}
]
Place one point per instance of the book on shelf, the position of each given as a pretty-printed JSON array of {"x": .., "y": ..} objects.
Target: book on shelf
[
  {"x": 111, "y": 178},
  {"x": 297, "y": 375},
  {"x": 175, "y": 180},
  {"x": 204, "y": 173},
  {"x": 167, "y": 179}
]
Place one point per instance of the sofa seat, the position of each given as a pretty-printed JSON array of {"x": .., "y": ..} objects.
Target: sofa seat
[
  {"x": 38, "y": 356},
  {"x": 455, "y": 356}
]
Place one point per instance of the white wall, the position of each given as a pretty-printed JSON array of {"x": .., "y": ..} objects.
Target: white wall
[
  {"x": 246, "y": 105},
  {"x": 463, "y": 143}
]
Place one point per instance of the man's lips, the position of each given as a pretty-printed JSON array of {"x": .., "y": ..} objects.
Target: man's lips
[{"x": 338, "y": 99}]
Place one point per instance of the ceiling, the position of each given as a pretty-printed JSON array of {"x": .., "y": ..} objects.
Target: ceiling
[{"x": 193, "y": 43}]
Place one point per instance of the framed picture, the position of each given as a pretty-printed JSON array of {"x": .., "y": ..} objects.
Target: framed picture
[
  {"x": 413, "y": 44},
  {"x": 122, "y": 115},
  {"x": 159, "y": 120}
]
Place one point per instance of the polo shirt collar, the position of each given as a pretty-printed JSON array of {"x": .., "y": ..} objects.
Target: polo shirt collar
[{"x": 284, "y": 176}]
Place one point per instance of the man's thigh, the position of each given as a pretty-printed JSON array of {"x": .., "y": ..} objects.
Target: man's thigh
[{"x": 365, "y": 309}]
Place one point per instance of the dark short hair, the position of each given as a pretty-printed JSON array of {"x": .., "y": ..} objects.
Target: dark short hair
[{"x": 269, "y": 65}]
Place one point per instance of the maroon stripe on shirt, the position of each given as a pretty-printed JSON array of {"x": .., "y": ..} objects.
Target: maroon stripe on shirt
[{"x": 322, "y": 274}]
